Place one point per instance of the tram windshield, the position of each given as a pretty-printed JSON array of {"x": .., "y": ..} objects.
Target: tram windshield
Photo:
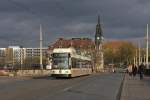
[{"x": 60, "y": 61}]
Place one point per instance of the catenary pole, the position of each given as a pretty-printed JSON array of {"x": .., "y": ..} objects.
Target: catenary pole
[
  {"x": 41, "y": 40},
  {"x": 147, "y": 48}
]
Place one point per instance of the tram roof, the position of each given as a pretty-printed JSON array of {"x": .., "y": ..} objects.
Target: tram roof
[
  {"x": 64, "y": 50},
  {"x": 72, "y": 51},
  {"x": 81, "y": 57}
]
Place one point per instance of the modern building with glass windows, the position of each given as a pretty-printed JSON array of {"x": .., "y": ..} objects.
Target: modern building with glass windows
[{"x": 16, "y": 56}]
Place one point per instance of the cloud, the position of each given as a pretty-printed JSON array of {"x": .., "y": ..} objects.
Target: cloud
[
  {"x": 120, "y": 19},
  {"x": 79, "y": 27}
]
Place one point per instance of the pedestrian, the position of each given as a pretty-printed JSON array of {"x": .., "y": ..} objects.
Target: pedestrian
[
  {"x": 134, "y": 70},
  {"x": 141, "y": 71},
  {"x": 130, "y": 69}
]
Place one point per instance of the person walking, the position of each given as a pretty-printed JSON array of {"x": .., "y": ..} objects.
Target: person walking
[
  {"x": 134, "y": 70},
  {"x": 130, "y": 69},
  {"x": 141, "y": 71}
]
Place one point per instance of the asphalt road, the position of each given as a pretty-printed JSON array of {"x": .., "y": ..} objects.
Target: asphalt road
[{"x": 94, "y": 87}]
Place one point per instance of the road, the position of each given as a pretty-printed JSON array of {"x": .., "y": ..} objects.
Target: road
[{"x": 93, "y": 87}]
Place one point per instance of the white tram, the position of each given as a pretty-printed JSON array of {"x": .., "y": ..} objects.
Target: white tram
[{"x": 67, "y": 63}]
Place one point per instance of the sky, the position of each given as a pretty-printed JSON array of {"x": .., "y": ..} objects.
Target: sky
[{"x": 120, "y": 20}]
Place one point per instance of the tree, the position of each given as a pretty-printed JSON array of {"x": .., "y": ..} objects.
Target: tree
[
  {"x": 118, "y": 52},
  {"x": 32, "y": 62},
  {"x": 109, "y": 55},
  {"x": 127, "y": 52}
]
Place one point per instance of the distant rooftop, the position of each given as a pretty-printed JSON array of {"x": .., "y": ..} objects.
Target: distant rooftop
[{"x": 73, "y": 42}]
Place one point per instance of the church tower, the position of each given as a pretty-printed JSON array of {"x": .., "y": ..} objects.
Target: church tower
[
  {"x": 98, "y": 47},
  {"x": 98, "y": 34}
]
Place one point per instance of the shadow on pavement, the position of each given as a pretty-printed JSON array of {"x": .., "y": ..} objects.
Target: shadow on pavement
[{"x": 50, "y": 78}]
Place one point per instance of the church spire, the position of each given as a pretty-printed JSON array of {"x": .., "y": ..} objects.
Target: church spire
[
  {"x": 98, "y": 27},
  {"x": 98, "y": 34},
  {"x": 98, "y": 19},
  {"x": 98, "y": 47}
]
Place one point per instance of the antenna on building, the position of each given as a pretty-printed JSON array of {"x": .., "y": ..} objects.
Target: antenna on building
[{"x": 41, "y": 40}]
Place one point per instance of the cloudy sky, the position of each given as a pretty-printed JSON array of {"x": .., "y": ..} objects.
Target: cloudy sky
[{"x": 120, "y": 19}]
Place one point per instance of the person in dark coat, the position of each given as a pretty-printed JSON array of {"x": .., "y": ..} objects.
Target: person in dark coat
[
  {"x": 134, "y": 70},
  {"x": 141, "y": 71}
]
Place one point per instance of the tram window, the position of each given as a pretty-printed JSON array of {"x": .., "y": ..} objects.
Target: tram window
[
  {"x": 76, "y": 63},
  {"x": 73, "y": 63}
]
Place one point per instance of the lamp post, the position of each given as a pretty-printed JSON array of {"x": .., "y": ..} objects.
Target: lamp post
[
  {"x": 41, "y": 40},
  {"x": 147, "y": 48},
  {"x": 139, "y": 55}
]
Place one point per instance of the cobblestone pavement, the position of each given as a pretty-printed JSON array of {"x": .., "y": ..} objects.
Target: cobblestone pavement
[{"x": 136, "y": 89}]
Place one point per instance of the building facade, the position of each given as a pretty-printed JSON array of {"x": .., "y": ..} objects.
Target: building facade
[
  {"x": 2, "y": 57},
  {"x": 34, "y": 52},
  {"x": 17, "y": 57},
  {"x": 32, "y": 57}
]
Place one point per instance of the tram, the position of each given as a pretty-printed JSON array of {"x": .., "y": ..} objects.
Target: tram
[{"x": 67, "y": 63}]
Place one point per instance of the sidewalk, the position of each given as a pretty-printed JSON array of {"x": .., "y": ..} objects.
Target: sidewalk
[{"x": 136, "y": 89}]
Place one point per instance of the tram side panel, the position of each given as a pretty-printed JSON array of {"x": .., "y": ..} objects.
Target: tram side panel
[
  {"x": 80, "y": 72},
  {"x": 80, "y": 67}
]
